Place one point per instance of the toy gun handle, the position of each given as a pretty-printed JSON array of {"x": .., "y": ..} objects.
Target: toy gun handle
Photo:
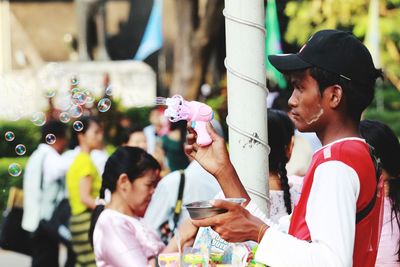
[{"x": 203, "y": 137}]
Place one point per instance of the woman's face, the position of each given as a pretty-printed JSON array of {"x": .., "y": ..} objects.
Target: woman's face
[
  {"x": 141, "y": 191},
  {"x": 93, "y": 137},
  {"x": 137, "y": 139}
]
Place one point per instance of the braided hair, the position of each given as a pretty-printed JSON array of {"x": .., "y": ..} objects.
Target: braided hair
[
  {"x": 132, "y": 161},
  {"x": 280, "y": 133},
  {"x": 387, "y": 148}
]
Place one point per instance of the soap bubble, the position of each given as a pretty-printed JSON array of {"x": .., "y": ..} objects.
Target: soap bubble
[
  {"x": 109, "y": 90},
  {"x": 75, "y": 90},
  {"x": 50, "y": 139},
  {"x": 50, "y": 93},
  {"x": 39, "y": 118},
  {"x": 74, "y": 81},
  {"x": 75, "y": 111},
  {"x": 14, "y": 169},
  {"x": 89, "y": 97},
  {"x": 64, "y": 117},
  {"x": 20, "y": 149},
  {"x": 10, "y": 136},
  {"x": 104, "y": 105},
  {"x": 79, "y": 98},
  {"x": 78, "y": 126}
]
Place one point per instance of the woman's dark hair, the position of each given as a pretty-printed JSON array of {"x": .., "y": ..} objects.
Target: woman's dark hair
[
  {"x": 387, "y": 148},
  {"x": 128, "y": 132},
  {"x": 57, "y": 128},
  {"x": 86, "y": 122},
  {"x": 280, "y": 133},
  {"x": 132, "y": 161}
]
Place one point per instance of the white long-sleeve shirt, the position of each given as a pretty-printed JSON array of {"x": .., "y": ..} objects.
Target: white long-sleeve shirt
[
  {"x": 39, "y": 203},
  {"x": 331, "y": 211}
]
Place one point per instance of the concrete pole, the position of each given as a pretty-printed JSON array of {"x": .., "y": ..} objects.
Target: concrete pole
[
  {"x": 5, "y": 37},
  {"x": 247, "y": 94}
]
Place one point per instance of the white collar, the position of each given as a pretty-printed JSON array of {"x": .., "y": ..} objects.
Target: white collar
[{"x": 341, "y": 140}]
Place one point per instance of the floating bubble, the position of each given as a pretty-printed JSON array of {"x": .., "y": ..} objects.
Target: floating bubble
[
  {"x": 14, "y": 169},
  {"x": 39, "y": 118},
  {"x": 78, "y": 126},
  {"x": 79, "y": 98},
  {"x": 75, "y": 90},
  {"x": 50, "y": 93},
  {"x": 89, "y": 97},
  {"x": 9, "y": 136},
  {"x": 74, "y": 81},
  {"x": 104, "y": 105},
  {"x": 20, "y": 149},
  {"x": 50, "y": 139},
  {"x": 109, "y": 90},
  {"x": 64, "y": 117},
  {"x": 75, "y": 111}
]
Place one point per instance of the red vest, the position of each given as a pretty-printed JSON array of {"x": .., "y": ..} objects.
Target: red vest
[{"x": 355, "y": 154}]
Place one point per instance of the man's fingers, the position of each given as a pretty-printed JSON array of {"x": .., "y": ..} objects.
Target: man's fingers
[
  {"x": 211, "y": 221},
  {"x": 211, "y": 131},
  {"x": 191, "y": 138},
  {"x": 190, "y": 129},
  {"x": 190, "y": 151},
  {"x": 223, "y": 204}
]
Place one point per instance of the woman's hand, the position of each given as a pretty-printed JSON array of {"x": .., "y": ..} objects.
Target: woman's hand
[
  {"x": 214, "y": 157},
  {"x": 236, "y": 225}
]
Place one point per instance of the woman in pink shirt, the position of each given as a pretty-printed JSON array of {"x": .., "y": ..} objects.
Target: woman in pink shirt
[
  {"x": 387, "y": 148},
  {"x": 118, "y": 233}
]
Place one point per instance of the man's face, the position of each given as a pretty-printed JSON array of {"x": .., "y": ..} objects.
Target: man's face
[{"x": 306, "y": 102}]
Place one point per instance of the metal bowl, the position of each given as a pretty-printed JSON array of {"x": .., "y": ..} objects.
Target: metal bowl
[{"x": 204, "y": 209}]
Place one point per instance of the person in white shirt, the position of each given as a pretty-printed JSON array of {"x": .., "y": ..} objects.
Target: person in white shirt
[
  {"x": 336, "y": 221},
  {"x": 43, "y": 186},
  {"x": 199, "y": 185}
]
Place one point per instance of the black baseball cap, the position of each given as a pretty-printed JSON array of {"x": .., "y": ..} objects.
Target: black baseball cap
[{"x": 335, "y": 51}]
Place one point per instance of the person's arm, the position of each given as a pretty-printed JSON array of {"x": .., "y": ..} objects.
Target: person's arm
[
  {"x": 330, "y": 217},
  {"x": 215, "y": 159},
  {"x": 85, "y": 188},
  {"x": 187, "y": 232},
  {"x": 331, "y": 211}
]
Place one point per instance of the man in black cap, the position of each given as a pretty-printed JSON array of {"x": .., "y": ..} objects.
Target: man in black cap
[{"x": 336, "y": 221}]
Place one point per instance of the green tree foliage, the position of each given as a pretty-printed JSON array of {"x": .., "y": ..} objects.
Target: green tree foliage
[{"x": 309, "y": 16}]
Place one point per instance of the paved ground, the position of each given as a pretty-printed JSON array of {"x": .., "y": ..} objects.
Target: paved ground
[
  {"x": 11, "y": 259},
  {"x": 8, "y": 258}
]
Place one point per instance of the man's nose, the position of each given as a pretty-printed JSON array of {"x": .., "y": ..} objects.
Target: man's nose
[{"x": 292, "y": 102}]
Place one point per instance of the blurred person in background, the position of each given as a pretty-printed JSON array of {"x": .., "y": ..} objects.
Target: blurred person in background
[
  {"x": 387, "y": 148},
  {"x": 83, "y": 184},
  {"x": 44, "y": 189},
  {"x": 99, "y": 156},
  {"x": 135, "y": 137},
  {"x": 153, "y": 131},
  {"x": 173, "y": 145}
]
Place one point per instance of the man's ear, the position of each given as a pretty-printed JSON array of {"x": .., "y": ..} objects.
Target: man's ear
[{"x": 335, "y": 94}]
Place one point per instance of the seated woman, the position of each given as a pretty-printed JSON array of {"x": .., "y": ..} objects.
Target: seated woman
[{"x": 118, "y": 234}]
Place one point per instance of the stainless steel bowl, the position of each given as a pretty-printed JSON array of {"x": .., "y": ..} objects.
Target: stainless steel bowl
[{"x": 204, "y": 209}]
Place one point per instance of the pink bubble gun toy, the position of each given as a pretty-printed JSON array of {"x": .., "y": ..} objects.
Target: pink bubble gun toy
[{"x": 196, "y": 112}]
